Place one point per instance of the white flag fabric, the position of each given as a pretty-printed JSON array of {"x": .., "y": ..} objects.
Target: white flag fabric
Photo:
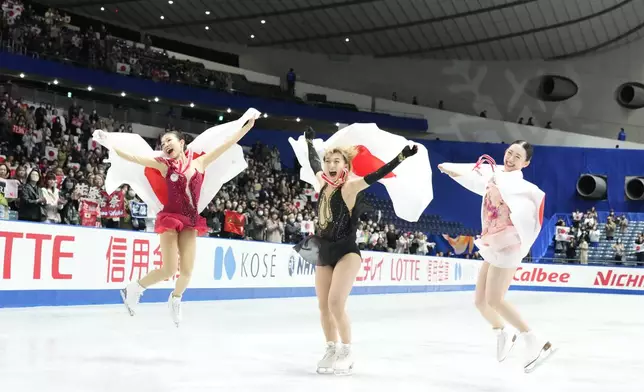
[
  {"x": 147, "y": 184},
  {"x": 410, "y": 186}
]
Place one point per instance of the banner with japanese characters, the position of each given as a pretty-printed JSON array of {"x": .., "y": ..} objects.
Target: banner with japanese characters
[
  {"x": 113, "y": 206},
  {"x": 138, "y": 210},
  {"x": 63, "y": 257},
  {"x": 57, "y": 265}
]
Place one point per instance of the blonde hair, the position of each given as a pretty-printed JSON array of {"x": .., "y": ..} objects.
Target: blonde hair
[{"x": 348, "y": 153}]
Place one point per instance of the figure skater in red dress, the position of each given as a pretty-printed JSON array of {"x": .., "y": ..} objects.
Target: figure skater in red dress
[{"x": 178, "y": 223}]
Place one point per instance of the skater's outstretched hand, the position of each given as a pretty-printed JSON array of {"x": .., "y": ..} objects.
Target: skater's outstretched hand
[
  {"x": 409, "y": 151},
  {"x": 249, "y": 125},
  {"x": 448, "y": 172}
]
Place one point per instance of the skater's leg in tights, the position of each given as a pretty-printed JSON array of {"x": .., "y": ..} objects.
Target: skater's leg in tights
[
  {"x": 497, "y": 285},
  {"x": 169, "y": 253},
  {"x": 481, "y": 302},
  {"x": 323, "y": 275},
  {"x": 344, "y": 275},
  {"x": 187, "y": 250}
]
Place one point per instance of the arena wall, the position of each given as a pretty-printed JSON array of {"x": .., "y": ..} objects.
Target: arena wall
[
  {"x": 505, "y": 89},
  {"x": 58, "y": 265}
]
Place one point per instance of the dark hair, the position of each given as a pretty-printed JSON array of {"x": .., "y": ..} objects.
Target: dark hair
[
  {"x": 529, "y": 150},
  {"x": 34, "y": 170},
  {"x": 187, "y": 139},
  {"x": 178, "y": 134}
]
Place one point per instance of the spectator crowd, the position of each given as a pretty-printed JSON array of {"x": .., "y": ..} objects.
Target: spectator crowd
[
  {"x": 575, "y": 242},
  {"x": 51, "y": 36},
  {"x": 59, "y": 173},
  {"x": 51, "y": 170}
]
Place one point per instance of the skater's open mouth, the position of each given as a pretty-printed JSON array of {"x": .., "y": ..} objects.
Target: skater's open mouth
[
  {"x": 333, "y": 173},
  {"x": 169, "y": 151}
]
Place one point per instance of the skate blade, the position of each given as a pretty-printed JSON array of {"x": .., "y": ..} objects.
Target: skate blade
[
  {"x": 546, "y": 353},
  {"x": 344, "y": 372},
  {"x": 325, "y": 371},
  {"x": 130, "y": 310}
]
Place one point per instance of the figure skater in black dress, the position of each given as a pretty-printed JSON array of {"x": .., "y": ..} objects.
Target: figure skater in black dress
[{"x": 334, "y": 250}]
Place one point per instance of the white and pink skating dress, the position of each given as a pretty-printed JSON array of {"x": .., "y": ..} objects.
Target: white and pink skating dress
[{"x": 511, "y": 211}]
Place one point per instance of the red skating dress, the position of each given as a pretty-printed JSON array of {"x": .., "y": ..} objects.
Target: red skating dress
[{"x": 180, "y": 212}]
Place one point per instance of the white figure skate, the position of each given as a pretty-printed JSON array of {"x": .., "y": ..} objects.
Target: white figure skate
[
  {"x": 174, "y": 304},
  {"x": 537, "y": 352},
  {"x": 343, "y": 361},
  {"x": 327, "y": 363},
  {"x": 504, "y": 343},
  {"x": 131, "y": 296}
]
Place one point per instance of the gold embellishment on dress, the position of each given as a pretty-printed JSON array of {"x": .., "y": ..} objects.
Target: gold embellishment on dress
[
  {"x": 401, "y": 157},
  {"x": 325, "y": 214}
]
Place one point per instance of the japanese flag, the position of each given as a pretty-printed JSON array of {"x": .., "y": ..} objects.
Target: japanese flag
[
  {"x": 410, "y": 184},
  {"x": 312, "y": 194},
  {"x": 92, "y": 145},
  {"x": 51, "y": 153},
  {"x": 307, "y": 227},
  {"x": 300, "y": 203},
  {"x": 123, "y": 68}
]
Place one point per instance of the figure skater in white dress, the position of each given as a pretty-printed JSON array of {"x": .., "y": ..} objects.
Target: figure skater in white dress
[{"x": 511, "y": 216}]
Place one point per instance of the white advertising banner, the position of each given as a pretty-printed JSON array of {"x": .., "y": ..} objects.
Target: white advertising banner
[
  {"x": 60, "y": 257},
  {"x": 62, "y": 265}
]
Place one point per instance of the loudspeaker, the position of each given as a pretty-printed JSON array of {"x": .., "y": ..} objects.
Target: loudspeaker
[
  {"x": 630, "y": 95},
  {"x": 634, "y": 188},
  {"x": 592, "y": 186}
]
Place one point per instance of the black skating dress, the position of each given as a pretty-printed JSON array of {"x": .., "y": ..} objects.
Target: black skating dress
[{"x": 336, "y": 230}]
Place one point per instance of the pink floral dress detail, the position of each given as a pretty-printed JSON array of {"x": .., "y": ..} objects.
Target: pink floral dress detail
[{"x": 498, "y": 230}]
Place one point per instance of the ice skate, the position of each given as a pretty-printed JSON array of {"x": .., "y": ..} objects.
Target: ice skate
[
  {"x": 174, "y": 304},
  {"x": 343, "y": 361},
  {"x": 504, "y": 343},
  {"x": 537, "y": 352},
  {"x": 326, "y": 364},
  {"x": 131, "y": 295}
]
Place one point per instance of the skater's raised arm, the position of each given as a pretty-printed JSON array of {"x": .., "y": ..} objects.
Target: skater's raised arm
[
  {"x": 469, "y": 176},
  {"x": 141, "y": 160},
  {"x": 314, "y": 158},
  {"x": 212, "y": 156},
  {"x": 102, "y": 138}
]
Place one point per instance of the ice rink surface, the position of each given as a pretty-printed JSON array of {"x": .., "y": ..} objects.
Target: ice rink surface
[{"x": 409, "y": 342}]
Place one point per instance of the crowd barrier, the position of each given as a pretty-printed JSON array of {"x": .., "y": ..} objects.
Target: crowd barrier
[{"x": 56, "y": 265}]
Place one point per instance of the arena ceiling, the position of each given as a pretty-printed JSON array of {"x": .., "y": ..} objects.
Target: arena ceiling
[{"x": 439, "y": 29}]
